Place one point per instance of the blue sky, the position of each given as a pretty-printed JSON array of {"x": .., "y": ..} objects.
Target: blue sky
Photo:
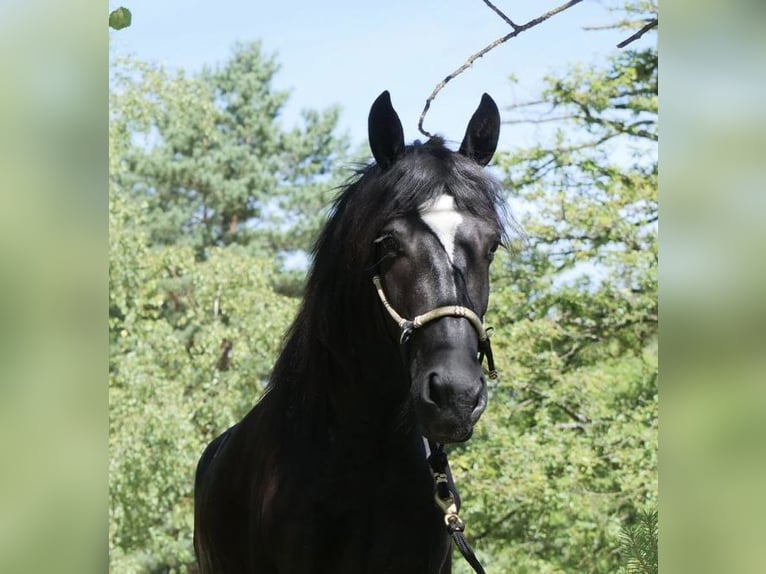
[{"x": 346, "y": 52}]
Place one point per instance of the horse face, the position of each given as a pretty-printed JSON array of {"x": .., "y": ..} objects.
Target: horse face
[
  {"x": 432, "y": 257},
  {"x": 440, "y": 257}
]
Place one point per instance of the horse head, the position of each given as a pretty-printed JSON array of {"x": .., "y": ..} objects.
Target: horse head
[{"x": 431, "y": 259}]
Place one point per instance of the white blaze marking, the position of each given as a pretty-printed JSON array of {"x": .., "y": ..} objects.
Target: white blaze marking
[{"x": 443, "y": 219}]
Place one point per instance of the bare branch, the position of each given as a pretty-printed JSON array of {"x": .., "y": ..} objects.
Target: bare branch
[
  {"x": 582, "y": 419},
  {"x": 500, "y": 13},
  {"x": 624, "y": 24},
  {"x": 571, "y": 426},
  {"x": 605, "y": 26},
  {"x": 527, "y": 104},
  {"x": 494, "y": 525},
  {"x": 540, "y": 120},
  {"x": 468, "y": 63},
  {"x": 641, "y": 32},
  {"x": 570, "y": 412}
]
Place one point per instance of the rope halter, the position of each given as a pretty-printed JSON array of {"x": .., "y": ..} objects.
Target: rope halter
[{"x": 407, "y": 326}]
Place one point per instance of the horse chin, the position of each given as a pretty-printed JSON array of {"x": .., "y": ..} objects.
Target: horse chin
[
  {"x": 450, "y": 436},
  {"x": 443, "y": 429}
]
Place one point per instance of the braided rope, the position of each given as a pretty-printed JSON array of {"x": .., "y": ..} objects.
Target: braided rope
[
  {"x": 401, "y": 321},
  {"x": 453, "y": 311},
  {"x": 433, "y": 315},
  {"x": 407, "y": 326}
]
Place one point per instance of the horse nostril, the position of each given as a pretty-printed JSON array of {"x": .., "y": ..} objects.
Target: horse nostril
[
  {"x": 442, "y": 392},
  {"x": 436, "y": 389},
  {"x": 479, "y": 391}
]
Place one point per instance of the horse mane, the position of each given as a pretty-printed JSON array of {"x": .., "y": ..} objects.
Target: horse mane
[{"x": 321, "y": 347}]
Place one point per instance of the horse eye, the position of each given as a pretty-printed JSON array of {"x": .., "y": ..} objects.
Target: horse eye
[
  {"x": 491, "y": 252},
  {"x": 387, "y": 244}
]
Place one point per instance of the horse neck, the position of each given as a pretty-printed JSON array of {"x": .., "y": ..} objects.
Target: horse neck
[
  {"x": 372, "y": 388},
  {"x": 345, "y": 374}
]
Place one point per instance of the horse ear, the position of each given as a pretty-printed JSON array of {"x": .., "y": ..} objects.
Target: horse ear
[
  {"x": 385, "y": 131},
  {"x": 480, "y": 141}
]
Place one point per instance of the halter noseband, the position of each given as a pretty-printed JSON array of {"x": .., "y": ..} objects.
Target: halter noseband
[{"x": 407, "y": 326}]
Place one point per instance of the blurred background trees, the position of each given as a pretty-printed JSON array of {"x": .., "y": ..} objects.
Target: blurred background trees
[
  {"x": 213, "y": 201},
  {"x": 211, "y": 160},
  {"x": 567, "y": 454},
  {"x": 208, "y": 192}
]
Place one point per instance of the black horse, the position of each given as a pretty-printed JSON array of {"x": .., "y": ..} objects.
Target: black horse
[{"x": 328, "y": 473}]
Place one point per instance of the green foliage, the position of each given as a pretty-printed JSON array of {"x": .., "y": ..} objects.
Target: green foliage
[
  {"x": 192, "y": 339},
  {"x": 566, "y": 453},
  {"x": 639, "y": 545},
  {"x": 210, "y": 156},
  {"x": 191, "y": 350},
  {"x": 120, "y": 18},
  {"x": 208, "y": 190},
  {"x": 192, "y": 344}
]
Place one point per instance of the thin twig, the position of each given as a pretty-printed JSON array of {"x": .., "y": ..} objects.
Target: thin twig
[
  {"x": 539, "y": 120},
  {"x": 606, "y": 26},
  {"x": 494, "y": 525},
  {"x": 641, "y": 32},
  {"x": 582, "y": 419},
  {"x": 468, "y": 63},
  {"x": 497, "y": 11},
  {"x": 528, "y": 104}
]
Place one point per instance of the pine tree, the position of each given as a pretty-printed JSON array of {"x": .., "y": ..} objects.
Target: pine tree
[{"x": 213, "y": 161}]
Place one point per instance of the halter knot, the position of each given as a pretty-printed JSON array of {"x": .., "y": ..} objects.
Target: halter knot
[{"x": 407, "y": 328}]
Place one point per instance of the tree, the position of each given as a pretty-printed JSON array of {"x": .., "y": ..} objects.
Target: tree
[
  {"x": 639, "y": 546},
  {"x": 195, "y": 320},
  {"x": 213, "y": 162},
  {"x": 206, "y": 186},
  {"x": 189, "y": 356},
  {"x": 566, "y": 455}
]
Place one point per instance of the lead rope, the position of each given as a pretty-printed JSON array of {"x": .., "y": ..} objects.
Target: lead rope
[{"x": 445, "y": 500}]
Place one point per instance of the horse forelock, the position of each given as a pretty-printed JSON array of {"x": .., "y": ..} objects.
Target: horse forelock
[{"x": 375, "y": 197}]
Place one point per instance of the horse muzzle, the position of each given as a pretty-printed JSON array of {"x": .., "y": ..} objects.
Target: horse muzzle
[{"x": 449, "y": 396}]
